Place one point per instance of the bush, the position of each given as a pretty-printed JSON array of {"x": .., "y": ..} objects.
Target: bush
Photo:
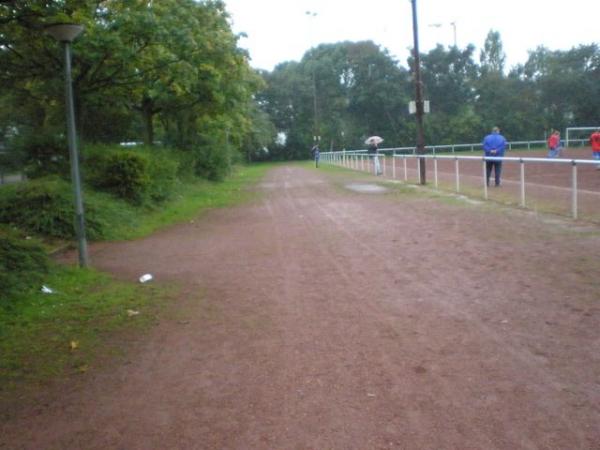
[
  {"x": 137, "y": 176},
  {"x": 123, "y": 174},
  {"x": 212, "y": 162},
  {"x": 162, "y": 175},
  {"x": 44, "y": 154},
  {"x": 45, "y": 206},
  {"x": 23, "y": 264}
]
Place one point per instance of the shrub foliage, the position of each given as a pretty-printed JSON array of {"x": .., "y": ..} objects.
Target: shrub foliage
[
  {"x": 22, "y": 265},
  {"x": 45, "y": 206}
]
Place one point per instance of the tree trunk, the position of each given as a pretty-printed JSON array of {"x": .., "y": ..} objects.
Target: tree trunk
[{"x": 148, "y": 117}]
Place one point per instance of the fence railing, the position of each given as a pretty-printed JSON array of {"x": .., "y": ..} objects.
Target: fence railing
[
  {"x": 359, "y": 160},
  {"x": 453, "y": 148}
]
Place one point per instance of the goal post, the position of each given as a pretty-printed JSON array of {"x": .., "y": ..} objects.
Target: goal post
[{"x": 578, "y": 130}]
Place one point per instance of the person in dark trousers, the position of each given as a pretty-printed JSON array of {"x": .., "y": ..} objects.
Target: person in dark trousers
[
  {"x": 494, "y": 145},
  {"x": 316, "y": 154},
  {"x": 373, "y": 151}
]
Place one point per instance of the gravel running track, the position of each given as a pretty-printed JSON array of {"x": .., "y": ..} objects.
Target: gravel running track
[{"x": 319, "y": 317}]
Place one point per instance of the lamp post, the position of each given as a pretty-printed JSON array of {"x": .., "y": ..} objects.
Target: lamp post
[
  {"x": 452, "y": 24},
  {"x": 418, "y": 96},
  {"x": 66, "y": 33}
]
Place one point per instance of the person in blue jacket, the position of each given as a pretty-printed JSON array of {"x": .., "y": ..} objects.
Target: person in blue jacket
[{"x": 494, "y": 145}]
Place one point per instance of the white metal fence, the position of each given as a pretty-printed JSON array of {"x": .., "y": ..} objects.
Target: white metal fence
[
  {"x": 453, "y": 148},
  {"x": 360, "y": 160}
]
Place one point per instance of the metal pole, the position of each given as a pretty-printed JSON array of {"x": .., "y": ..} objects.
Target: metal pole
[
  {"x": 74, "y": 156},
  {"x": 435, "y": 171},
  {"x": 574, "y": 191},
  {"x": 457, "y": 175},
  {"x": 485, "y": 186},
  {"x": 405, "y": 169},
  {"x": 394, "y": 165},
  {"x": 418, "y": 96},
  {"x": 522, "y": 183}
]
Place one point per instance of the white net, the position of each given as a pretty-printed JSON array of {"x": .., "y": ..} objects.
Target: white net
[{"x": 579, "y": 135}]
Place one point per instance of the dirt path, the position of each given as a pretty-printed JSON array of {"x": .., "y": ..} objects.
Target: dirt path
[{"x": 322, "y": 318}]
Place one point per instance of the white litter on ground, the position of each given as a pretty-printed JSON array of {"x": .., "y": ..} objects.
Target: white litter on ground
[{"x": 145, "y": 278}]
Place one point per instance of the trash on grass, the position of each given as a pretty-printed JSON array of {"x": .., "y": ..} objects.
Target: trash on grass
[
  {"x": 74, "y": 345},
  {"x": 145, "y": 278},
  {"x": 46, "y": 290},
  {"x": 132, "y": 312}
]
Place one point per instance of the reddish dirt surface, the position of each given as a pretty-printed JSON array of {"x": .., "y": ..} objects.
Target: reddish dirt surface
[{"x": 323, "y": 318}]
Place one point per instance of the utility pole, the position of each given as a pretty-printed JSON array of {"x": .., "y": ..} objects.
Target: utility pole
[
  {"x": 418, "y": 96},
  {"x": 316, "y": 131}
]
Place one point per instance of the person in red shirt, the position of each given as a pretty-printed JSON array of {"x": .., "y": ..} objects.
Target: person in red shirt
[
  {"x": 595, "y": 141},
  {"x": 554, "y": 147}
]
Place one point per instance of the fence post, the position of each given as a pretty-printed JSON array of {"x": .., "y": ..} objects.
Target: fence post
[
  {"x": 457, "y": 175},
  {"x": 485, "y": 185},
  {"x": 435, "y": 171},
  {"x": 574, "y": 193},
  {"x": 419, "y": 169},
  {"x": 394, "y": 164},
  {"x": 405, "y": 169},
  {"x": 522, "y": 182}
]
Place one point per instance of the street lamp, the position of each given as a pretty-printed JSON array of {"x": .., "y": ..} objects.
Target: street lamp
[
  {"x": 452, "y": 24},
  {"x": 66, "y": 33}
]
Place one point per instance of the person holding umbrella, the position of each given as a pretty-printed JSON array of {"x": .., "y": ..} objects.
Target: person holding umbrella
[{"x": 373, "y": 150}]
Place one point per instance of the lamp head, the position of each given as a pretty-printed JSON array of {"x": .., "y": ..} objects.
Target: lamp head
[{"x": 64, "y": 32}]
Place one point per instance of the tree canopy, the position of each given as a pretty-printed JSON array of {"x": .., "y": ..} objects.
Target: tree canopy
[{"x": 172, "y": 72}]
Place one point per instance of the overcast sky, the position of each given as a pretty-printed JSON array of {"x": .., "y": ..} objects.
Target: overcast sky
[{"x": 280, "y": 30}]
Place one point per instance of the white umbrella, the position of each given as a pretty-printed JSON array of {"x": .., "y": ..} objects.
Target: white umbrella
[{"x": 374, "y": 140}]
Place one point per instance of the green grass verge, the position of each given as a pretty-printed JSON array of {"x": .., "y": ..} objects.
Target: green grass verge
[
  {"x": 48, "y": 336},
  {"x": 191, "y": 199}
]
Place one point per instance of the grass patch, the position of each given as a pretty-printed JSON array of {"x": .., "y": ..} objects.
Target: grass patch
[
  {"x": 190, "y": 200},
  {"x": 45, "y": 336}
]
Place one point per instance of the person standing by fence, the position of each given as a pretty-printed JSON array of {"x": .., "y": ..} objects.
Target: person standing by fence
[
  {"x": 316, "y": 154},
  {"x": 494, "y": 145},
  {"x": 595, "y": 141},
  {"x": 373, "y": 151},
  {"x": 554, "y": 147}
]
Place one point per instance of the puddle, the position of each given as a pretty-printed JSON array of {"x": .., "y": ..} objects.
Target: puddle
[{"x": 367, "y": 188}]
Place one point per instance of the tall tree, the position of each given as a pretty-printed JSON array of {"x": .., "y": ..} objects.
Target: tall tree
[{"x": 492, "y": 57}]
